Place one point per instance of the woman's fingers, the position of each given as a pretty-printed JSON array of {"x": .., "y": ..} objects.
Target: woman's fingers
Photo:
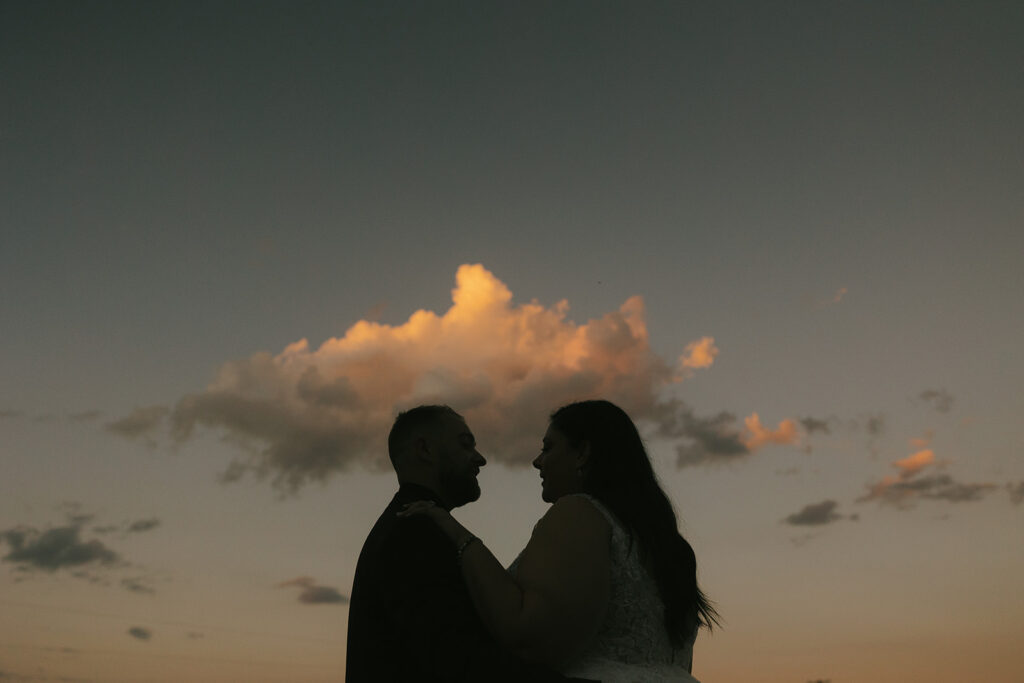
[{"x": 420, "y": 507}]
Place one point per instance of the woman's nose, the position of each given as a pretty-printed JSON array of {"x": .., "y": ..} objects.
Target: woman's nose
[{"x": 537, "y": 461}]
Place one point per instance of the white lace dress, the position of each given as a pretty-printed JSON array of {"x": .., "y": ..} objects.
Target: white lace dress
[{"x": 632, "y": 645}]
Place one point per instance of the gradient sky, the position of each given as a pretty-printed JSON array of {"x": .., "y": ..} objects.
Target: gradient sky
[{"x": 786, "y": 237}]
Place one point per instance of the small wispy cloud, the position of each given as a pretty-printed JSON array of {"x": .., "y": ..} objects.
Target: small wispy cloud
[
  {"x": 140, "y": 633},
  {"x": 875, "y": 424},
  {"x": 813, "y": 425},
  {"x": 910, "y": 485},
  {"x": 53, "y": 549},
  {"x": 63, "y": 548},
  {"x": 758, "y": 435},
  {"x": 914, "y": 463},
  {"x": 85, "y": 415},
  {"x": 138, "y": 584},
  {"x": 313, "y": 594},
  {"x": 1016, "y": 492},
  {"x": 815, "y": 514},
  {"x": 699, "y": 354},
  {"x": 718, "y": 439},
  {"x": 141, "y": 423},
  {"x": 142, "y": 525},
  {"x": 939, "y": 399}
]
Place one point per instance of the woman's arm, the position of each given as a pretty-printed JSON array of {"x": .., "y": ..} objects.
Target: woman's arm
[{"x": 556, "y": 602}]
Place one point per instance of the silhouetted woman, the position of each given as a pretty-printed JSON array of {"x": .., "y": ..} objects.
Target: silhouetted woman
[{"x": 607, "y": 587}]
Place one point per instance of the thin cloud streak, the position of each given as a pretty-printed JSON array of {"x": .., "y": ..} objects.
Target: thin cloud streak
[
  {"x": 140, "y": 633},
  {"x": 939, "y": 399},
  {"x": 141, "y": 423},
  {"x": 909, "y": 485},
  {"x": 313, "y": 594},
  {"x": 815, "y": 514}
]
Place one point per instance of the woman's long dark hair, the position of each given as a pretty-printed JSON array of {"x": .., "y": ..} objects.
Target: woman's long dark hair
[{"x": 619, "y": 474}]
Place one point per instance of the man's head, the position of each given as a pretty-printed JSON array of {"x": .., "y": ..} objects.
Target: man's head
[{"x": 432, "y": 446}]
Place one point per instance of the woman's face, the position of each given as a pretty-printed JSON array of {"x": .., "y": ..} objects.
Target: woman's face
[{"x": 559, "y": 465}]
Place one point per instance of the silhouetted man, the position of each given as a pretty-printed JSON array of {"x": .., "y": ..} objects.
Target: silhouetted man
[{"x": 410, "y": 616}]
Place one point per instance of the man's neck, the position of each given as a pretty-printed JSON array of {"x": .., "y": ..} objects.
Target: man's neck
[{"x": 416, "y": 490}]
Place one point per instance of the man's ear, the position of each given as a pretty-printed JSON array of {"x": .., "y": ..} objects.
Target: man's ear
[{"x": 421, "y": 450}]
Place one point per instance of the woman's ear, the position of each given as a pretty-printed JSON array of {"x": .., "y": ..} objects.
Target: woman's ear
[{"x": 583, "y": 456}]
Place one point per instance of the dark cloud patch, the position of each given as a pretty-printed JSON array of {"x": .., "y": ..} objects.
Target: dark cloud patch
[
  {"x": 939, "y": 399},
  {"x": 813, "y": 425},
  {"x": 1016, "y": 492},
  {"x": 85, "y": 415},
  {"x": 713, "y": 439},
  {"x": 312, "y": 594},
  {"x": 194, "y": 635},
  {"x": 138, "y": 584},
  {"x": 299, "y": 445},
  {"x": 815, "y": 514},
  {"x": 140, "y": 633},
  {"x": 54, "y": 549},
  {"x": 141, "y": 423},
  {"x": 905, "y": 492},
  {"x": 106, "y": 529},
  {"x": 143, "y": 525},
  {"x": 875, "y": 424}
]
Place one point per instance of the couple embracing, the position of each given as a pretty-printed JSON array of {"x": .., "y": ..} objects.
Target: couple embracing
[{"x": 605, "y": 590}]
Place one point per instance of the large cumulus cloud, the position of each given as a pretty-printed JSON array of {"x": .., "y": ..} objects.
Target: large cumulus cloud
[{"x": 305, "y": 413}]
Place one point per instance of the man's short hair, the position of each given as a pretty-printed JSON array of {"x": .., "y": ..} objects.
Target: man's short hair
[{"x": 411, "y": 421}]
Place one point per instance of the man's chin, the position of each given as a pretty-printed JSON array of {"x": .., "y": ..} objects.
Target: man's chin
[{"x": 467, "y": 495}]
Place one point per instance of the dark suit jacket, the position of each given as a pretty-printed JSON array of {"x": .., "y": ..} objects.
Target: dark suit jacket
[{"x": 410, "y": 616}]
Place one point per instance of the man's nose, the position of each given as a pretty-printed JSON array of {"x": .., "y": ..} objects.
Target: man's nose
[
  {"x": 536, "y": 461},
  {"x": 479, "y": 459}
]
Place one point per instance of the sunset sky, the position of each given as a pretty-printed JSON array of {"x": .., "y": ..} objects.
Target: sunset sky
[{"x": 238, "y": 237}]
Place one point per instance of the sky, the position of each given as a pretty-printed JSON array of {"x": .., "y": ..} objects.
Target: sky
[{"x": 237, "y": 238}]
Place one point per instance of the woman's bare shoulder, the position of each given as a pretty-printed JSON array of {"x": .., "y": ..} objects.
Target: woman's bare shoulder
[{"x": 575, "y": 513}]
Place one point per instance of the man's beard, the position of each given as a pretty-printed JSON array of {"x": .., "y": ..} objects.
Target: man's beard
[{"x": 459, "y": 488}]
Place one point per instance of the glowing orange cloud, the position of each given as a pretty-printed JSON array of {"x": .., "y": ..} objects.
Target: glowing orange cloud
[
  {"x": 699, "y": 354},
  {"x": 901, "y": 489},
  {"x": 757, "y": 435},
  {"x": 912, "y": 464},
  {"x": 306, "y": 412}
]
